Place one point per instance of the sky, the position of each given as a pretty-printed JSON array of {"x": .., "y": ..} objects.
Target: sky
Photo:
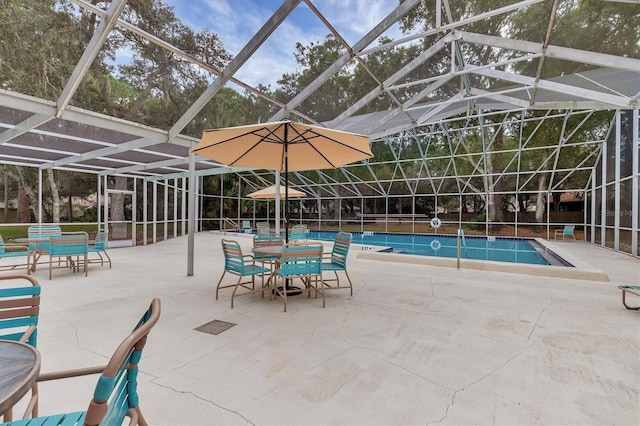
[{"x": 236, "y": 21}]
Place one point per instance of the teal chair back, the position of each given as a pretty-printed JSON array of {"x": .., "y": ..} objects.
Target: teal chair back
[
  {"x": 69, "y": 244},
  {"x": 99, "y": 246},
  {"x": 19, "y": 308},
  {"x": 299, "y": 261},
  {"x": 338, "y": 261},
  {"x": 264, "y": 240},
  {"x": 233, "y": 258},
  {"x": 263, "y": 228},
  {"x": 298, "y": 233},
  {"x": 341, "y": 249},
  {"x": 568, "y": 230},
  {"x": 116, "y": 393},
  {"x": 100, "y": 242},
  {"x": 43, "y": 232}
]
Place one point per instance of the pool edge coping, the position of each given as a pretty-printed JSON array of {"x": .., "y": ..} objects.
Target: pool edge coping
[{"x": 580, "y": 270}]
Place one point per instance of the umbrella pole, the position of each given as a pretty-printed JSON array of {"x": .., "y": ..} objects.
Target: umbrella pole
[{"x": 286, "y": 184}]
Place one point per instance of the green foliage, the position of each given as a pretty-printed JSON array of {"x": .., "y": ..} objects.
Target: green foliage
[{"x": 479, "y": 222}]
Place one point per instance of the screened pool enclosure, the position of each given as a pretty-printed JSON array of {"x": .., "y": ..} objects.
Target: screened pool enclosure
[{"x": 493, "y": 129}]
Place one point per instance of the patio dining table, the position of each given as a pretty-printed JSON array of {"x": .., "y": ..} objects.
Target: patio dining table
[
  {"x": 19, "y": 369},
  {"x": 276, "y": 252}
]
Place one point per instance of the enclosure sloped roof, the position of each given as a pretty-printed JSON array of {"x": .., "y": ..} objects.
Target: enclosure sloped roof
[{"x": 52, "y": 134}]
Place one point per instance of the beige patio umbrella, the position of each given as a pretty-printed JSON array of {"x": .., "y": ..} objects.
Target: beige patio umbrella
[
  {"x": 283, "y": 146},
  {"x": 269, "y": 193}
]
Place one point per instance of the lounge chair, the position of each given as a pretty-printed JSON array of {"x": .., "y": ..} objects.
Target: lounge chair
[
  {"x": 19, "y": 311},
  {"x": 336, "y": 261},
  {"x": 116, "y": 394},
  {"x": 567, "y": 232},
  {"x": 242, "y": 265},
  {"x": 632, "y": 289}
]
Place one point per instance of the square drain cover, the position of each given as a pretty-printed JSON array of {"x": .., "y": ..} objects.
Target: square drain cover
[{"x": 215, "y": 327}]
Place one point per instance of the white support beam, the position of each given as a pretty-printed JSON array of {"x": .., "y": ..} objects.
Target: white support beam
[
  {"x": 594, "y": 95},
  {"x": 256, "y": 41},
  {"x": 411, "y": 66},
  {"x": 552, "y": 51},
  {"x": 89, "y": 54},
  {"x": 24, "y": 127},
  {"x": 377, "y": 31}
]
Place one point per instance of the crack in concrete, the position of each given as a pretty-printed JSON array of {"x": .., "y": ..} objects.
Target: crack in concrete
[
  {"x": 540, "y": 316},
  {"x": 205, "y": 400},
  {"x": 456, "y": 391}
]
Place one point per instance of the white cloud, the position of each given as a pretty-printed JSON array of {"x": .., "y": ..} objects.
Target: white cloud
[{"x": 237, "y": 21}]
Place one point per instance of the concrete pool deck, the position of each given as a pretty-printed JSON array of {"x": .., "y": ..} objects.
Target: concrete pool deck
[{"x": 415, "y": 344}]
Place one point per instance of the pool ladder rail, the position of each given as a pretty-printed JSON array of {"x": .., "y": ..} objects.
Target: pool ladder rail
[{"x": 460, "y": 240}]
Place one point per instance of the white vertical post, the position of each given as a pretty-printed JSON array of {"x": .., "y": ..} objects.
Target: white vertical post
[
  {"x": 134, "y": 213},
  {"x": 616, "y": 185},
  {"x": 98, "y": 212},
  {"x": 603, "y": 198},
  {"x": 594, "y": 214},
  {"x": 154, "y": 214},
  {"x": 192, "y": 213},
  {"x": 166, "y": 208},
  {"x": 145, "y": 197},
  {"x": 635, "y": 184},
  {"x": 175, "y": 207},
  {"x": 183, "y": 216},
  {"x": 106, "y": 201},
  {"x": 39, "y": 196}
]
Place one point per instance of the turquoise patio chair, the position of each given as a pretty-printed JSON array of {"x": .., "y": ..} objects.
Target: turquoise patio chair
[
  {"x": 302, "y": 262},
  {"x": 15, "y": 253},
  {"x": 265, "y": 240},
  {"x": 567, "y": 232},
  {"x": 70, "y": 249},
  {"x": 241, "y": 265},
  {"x": 99, "y": 246},
  {"x": 298, "y": 234},
  {"x": 116, "y": 393},
  {"x": 263, "y": 228},
  {"x": 41, "y": 234},
  {"x": 19, "y": 312},
  {"x": 336, "y": 261}
]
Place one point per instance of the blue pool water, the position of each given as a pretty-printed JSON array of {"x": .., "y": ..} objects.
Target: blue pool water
[{"x": 514, "y": 250}]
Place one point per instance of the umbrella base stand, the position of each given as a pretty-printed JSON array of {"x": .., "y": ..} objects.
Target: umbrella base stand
[{"x": 290, "y": 289}]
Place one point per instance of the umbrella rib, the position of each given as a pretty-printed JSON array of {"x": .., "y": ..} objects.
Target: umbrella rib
[
  {"x": 271, "y": 136},
  {"x": 303, "y": 137}
]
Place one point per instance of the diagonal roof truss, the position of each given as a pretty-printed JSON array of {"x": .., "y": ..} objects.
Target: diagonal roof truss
[{"x": 54, "y": 134}]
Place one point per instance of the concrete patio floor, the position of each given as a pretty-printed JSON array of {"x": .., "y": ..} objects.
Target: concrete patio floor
[{"x": 415, "y": 344}]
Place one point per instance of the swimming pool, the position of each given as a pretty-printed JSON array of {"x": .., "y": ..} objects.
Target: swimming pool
[{"x": 500, "y": 249}]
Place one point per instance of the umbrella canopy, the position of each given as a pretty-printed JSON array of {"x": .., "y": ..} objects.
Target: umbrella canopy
[
  {"x": 283, "y": 146},
  {"x": 268, "y": 146},
  {"x": 270, "y": 193}
]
